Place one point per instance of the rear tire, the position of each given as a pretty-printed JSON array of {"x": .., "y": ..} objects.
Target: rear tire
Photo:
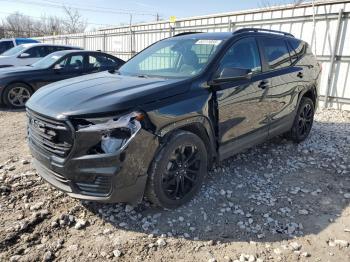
[
  {"x": 177, "y": 171},
  {"x": 16, "y": 95},
  {"x": 303, "y": 121}
]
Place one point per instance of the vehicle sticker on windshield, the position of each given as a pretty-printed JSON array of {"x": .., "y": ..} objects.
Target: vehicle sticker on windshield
[{"x": 208, "y": 42}]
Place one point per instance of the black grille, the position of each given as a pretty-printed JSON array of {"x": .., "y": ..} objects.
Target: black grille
[
  {"x": 100, "y": 187},
  {"x": 50, "y": 135}
]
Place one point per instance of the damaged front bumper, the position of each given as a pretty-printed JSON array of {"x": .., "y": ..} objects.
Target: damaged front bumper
[{"x": 98, "y": 167}]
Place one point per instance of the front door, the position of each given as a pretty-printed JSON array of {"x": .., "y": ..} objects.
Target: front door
[
  {"x": 242, "y": 108},
  {"x": 70, "y": 66}
]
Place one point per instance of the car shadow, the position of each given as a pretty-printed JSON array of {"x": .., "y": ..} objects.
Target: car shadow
[
  {"x": 3, "y": 108},
  {"x": 272, "y": 192}
]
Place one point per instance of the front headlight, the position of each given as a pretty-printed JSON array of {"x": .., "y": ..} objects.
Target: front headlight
[{"x": 116, "y": 133}]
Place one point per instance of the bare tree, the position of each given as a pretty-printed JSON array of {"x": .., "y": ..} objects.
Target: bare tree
[
  {"x": 271, "y": 3},
  {"x": 52, "y": 25},
  {"x": 73, "y": 23},
  {"x": 20, "y": 25}
]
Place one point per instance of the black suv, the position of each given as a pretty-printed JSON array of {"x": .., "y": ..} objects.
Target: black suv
[{"x": 155, "y": 127}]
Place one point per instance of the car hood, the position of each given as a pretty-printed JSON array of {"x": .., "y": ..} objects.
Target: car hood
[{"x": 101, "y": 93}]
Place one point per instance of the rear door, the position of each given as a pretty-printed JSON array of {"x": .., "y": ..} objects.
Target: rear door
[
  {"x": 242, "y": 109},
  {"x": 285, "y": 83}
]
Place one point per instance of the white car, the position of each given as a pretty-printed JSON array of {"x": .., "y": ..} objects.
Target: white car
[
  {"x": 6, "y": 44},
  {"x": 28, "y": 54}
]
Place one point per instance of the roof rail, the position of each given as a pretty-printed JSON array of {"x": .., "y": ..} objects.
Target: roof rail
[
  {"x": 186, "y": 33},
  {"x": 244, "y": 30}
]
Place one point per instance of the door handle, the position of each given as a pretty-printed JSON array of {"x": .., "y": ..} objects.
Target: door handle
[
  {"x": 300, "y": 75},
  {"x": 263, "y": 84}
]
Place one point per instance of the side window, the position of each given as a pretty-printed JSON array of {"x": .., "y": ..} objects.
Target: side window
[
  {"x": 50, "y": 49},
  {"x": 276, "y": 52},
  {"x": 60, "y": 48},
  {"x": 43, "y": 51},
  {"x": 5, "y": 45},
  {"x": 73, "y": 63},
  {"x": 36, "y": 52},
  {"x": 33, "y": 52},
  {"x": 101, "y": 62},
  {"x": 93, "y": 63},
  {"x": 297, "y": 49},
  {"x": 243, "y": 54}
]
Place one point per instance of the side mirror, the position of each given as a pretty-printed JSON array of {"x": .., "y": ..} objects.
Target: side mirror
[
  {"x": 24, "y": 55},
  {"x": 57, "y": 67},
  {"x": 228, "y": 74}
]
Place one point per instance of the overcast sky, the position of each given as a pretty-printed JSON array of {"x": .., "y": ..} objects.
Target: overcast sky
[{"x": 113, "y": 12}]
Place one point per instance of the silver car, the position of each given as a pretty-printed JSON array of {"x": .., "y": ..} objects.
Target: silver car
[{"x": 28, "y": 54}]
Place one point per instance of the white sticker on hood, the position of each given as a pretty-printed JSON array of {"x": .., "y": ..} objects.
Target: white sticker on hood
[{"x": 208, "y": 42}]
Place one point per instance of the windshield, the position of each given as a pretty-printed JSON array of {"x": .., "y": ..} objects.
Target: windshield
[
  {"x": 47, "y": 61},
  {"x": 14, "y": 50},
  {"x": 172, "y": 58}
]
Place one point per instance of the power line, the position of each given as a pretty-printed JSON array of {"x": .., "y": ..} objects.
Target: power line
[
  {"x": 102, "y": 8},
  {"x": 54, "y": 5}
]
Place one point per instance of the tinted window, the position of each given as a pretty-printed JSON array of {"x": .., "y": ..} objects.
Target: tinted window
[
  {"x": 73, "y": 63},
  {"x": 243, "y": 54},
  {"x": 100, "y": 61},
  {"x": 5, "y": 45},
  {"x": 62, "y": 48},
  {"x": 37, "y": 52},
  {"x": 52, "y": 49},
  {"x": 297, "y": 49},
  {"x": 276, "y": 52}
]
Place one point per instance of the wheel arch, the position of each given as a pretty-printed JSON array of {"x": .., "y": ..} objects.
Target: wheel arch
[
  {"x": 199, "y": 126},
  {"x": 311, "y": 93}
]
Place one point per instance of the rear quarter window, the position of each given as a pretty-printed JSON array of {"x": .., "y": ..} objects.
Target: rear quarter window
[
  {"x": 276, "y": 52},
  {"x": 298, "y": 49}
]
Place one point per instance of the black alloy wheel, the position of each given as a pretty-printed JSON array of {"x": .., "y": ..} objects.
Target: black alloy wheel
[
  {"x": 303, "y": 121},
  {"x": 178, "y": 170},
  {"x": 182, "y": 172}
]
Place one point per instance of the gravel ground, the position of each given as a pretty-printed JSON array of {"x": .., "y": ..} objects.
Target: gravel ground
[{"x": 276, "y": 202}]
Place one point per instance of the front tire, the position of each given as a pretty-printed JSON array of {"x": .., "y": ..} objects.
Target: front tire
[
  {"x": 178, "y": 170},
  {"x": 303, "y": 121},
  {"x": 16, "y": 95}
]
